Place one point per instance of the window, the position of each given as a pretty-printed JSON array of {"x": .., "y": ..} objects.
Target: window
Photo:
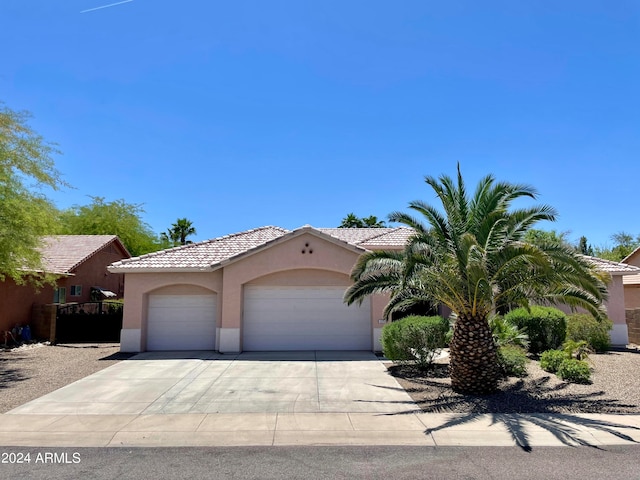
[
  {"x": 76, "y": 290},
  {"x": 60, "y": 295}
]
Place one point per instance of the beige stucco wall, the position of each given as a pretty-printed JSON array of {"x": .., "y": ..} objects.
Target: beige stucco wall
[
  {"x": 137, "y": 290},
  {"x": 304, "y": 259},
  {"x": 615, "y": 306}
]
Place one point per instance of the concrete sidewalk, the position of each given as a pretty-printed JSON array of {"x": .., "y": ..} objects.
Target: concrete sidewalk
[{"x": 279, "y": 429}]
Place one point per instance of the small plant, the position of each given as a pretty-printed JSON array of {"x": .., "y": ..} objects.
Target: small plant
[
  {"x": 551, "y": 360},
  {"x": 513, "y": 360},
  {"x": 546, "y": 326},
  {"x": 578, "y": 350},
  {"x": 505, "y": 333},
  {"x": 415, "y": 339},
  {"x": 575, "y": 371},
  {"x": 582, "y": 326}
]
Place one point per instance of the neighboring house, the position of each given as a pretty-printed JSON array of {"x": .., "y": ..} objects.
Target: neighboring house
[
  {"x": 632, "y": 282},
  {"x": 619, "y": 272},
  {"x": 270, "y": 289},
  {"x": 81, "y": 262},
  {"x": 263, "y": 289}
]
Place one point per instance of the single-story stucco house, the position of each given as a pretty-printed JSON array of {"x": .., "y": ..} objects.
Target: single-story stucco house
[
  {"x": 268, "y": 289},
  {"x": 80, "y": 264},
  {"x": 262, "y": 289}
]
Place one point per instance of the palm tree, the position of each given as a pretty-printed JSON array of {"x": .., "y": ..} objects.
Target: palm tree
[
  {"x": 473, "y": 259},
  {"x": 372, "y": 222},
  {"x": 351, "y": 221},
  {"x": 178, "y": 233}
]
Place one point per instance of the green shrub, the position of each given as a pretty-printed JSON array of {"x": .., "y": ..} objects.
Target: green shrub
[
  {"x": 414, "y": 339},
  {"x": 545, "y": 326},
  {"x": 550, "y": 360},
  {"x": 583, "y": 327},
  {"x": 513, "y": 360},
  {"x": 576, "y": 371},
  {"x": 505, "y": 333}
]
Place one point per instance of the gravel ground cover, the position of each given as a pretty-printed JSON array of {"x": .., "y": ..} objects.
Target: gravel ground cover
[
  {"x": 615, "y": 388},
  {"x": 30, "y": 371}
]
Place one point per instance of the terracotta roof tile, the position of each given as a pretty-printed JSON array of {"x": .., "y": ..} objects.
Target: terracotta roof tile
[{"x": 63, "y": 253}]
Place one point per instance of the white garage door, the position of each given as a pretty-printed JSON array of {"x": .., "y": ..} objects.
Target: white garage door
[
  {"x": 303, "y": 318},
  {"x": 181, "y": 322}
]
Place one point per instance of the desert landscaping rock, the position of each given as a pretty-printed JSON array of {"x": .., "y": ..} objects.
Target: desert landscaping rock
[
  {"x": 615, "y": 388},
  {"x": 30, "y": 371}
]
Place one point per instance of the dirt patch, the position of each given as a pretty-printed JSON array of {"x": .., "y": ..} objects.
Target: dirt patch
[{"x": 615, "y": 388}]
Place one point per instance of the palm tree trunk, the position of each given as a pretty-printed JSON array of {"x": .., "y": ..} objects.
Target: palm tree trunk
[{"x": 474, "y": 360}]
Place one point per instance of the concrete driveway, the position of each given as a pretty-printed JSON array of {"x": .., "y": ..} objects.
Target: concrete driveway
[{"x": 208, "y": 382}]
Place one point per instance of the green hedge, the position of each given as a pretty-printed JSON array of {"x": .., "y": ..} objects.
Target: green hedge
[
  {"x": 414, "y": 339},
  {"x": 545, "y": 326},
  {"x": 583, "y": 327}
]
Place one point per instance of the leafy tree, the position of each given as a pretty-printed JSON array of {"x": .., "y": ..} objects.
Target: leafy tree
[
  {"x": 353, "y": 221},
  {"x": 538, "y": 237},
  {"x": 26, "y": 169},
  {"x": 178, "y": 233},
  {"x": 111, "y": 218},
  {"x": 624, "y": 244},
  {"x": 584, "y": 248},
  {"x": 472, "y": 257}
]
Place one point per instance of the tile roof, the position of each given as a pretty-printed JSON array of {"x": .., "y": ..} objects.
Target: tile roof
[
  {"x": 392, "y": 237},
  {"x": 63, "y": 253},
  {"x": 210, "y": 253},
  {"x": 202, "y": 255},
  {"x": 614, "y": 268}
]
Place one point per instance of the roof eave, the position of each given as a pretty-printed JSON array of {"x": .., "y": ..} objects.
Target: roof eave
[{"x": 117, "y": 269}]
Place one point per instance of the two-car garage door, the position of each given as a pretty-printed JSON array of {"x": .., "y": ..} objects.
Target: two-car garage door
[{"x": 303, "y": 318}]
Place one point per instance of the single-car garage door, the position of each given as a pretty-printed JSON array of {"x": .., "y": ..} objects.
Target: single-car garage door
[
  {"x": 303, "y": 318},
  {"x": 181, "y": 322}
]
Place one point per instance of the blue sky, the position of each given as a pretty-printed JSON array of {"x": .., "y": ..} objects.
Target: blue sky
[{"x": 249, "y": 113}]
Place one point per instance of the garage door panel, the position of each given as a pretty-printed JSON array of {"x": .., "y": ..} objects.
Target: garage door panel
[
  {"x": 181, "y": 322},
  {"x": 303, "y": 318}
]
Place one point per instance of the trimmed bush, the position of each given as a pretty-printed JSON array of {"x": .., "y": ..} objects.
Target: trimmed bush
[
  {"x": 414, "y": 339},
  {"x": 576, "y": 371},
  {"x": 513, "y": 361},
  {"x": 551, "y": 360},
  {"x": 545, "y": 326},
  {"x": 583, "y": 327}
]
